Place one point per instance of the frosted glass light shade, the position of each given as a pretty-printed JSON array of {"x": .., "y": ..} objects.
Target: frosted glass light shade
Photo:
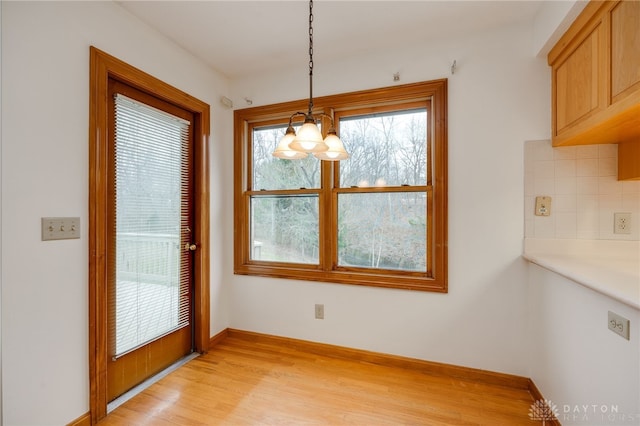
[
  {"x": 336, "y": 151},
  {"x": 309, "y": 139},
  {"x": 283, "y": 150}
]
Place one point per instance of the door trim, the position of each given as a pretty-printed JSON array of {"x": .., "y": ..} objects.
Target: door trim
[{"x": 102, "y": 67}]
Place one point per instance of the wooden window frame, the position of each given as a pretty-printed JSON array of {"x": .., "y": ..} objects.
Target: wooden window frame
[
  {"x": 432, "y": 93},
  {"x": 102, "y": 68}
]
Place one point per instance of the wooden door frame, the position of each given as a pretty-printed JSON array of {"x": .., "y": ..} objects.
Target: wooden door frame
[{"x": 103, "y": 67}]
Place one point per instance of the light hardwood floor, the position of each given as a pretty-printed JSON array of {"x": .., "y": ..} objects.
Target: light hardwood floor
[{"x": 249, "y": 379}]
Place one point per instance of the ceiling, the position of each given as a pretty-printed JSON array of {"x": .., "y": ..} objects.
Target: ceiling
[{"x": 240, "y": 37}]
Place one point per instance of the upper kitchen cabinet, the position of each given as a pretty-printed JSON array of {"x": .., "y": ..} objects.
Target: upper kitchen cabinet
[{"x": 596, "y": 78}]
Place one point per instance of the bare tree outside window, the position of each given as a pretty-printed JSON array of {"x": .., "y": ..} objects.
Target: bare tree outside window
[
  {"x": 284, "y": 228},
  {"x": 389, "y": 148},
  {"x": 384, "y": 230}
]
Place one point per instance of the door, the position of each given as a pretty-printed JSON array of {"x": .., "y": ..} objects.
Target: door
[{"x": 150, "y": 234}]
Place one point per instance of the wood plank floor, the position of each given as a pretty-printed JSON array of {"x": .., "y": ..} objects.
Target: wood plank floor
[{"x": 244, "y": 381}]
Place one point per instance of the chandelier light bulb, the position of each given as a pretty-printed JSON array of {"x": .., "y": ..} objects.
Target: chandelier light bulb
[
  {"x": 336, "y": 151},
  {"x": 309, "y": 139},
  {"x": 283, "y": 151}
]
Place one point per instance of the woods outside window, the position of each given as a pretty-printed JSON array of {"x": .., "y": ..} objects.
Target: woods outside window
[{"x": 378, "y": 218}]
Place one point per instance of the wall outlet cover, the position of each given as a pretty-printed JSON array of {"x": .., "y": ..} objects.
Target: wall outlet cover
[
  {"x": 622, "y": 223},
  {"x": 543, "y": 206},
  {"x": 319, "y": 311},
  {"x": 618, "y": 324}
]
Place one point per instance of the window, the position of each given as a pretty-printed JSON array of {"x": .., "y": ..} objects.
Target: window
[{"x": 378, "y": 218}]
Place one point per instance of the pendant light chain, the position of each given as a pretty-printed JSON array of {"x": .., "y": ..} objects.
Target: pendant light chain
[
  {"x": 309, "y": 139},
  {"x": 310, "y": 56}
]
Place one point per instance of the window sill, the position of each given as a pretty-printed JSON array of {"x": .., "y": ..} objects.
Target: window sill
[{"x": 415, "y": 283}]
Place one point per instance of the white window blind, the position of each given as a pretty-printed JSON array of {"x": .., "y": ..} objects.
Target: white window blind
[{"x": 152, "y": 270}]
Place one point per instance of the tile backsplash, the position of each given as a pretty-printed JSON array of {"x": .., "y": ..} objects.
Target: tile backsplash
[{"x": 582, "y": 182}]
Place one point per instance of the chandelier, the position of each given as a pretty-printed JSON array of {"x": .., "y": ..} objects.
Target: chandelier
[{"x": 309, "y": 139}]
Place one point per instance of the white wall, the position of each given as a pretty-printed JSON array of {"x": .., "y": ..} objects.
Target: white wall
[
  {"x": 575, "y": 360},
  {"x": 45, "y": 105},
  {"x": 498, "y": 98}
]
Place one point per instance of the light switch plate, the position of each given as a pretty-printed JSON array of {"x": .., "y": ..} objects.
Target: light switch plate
[
  {"x": 60, "y": 228},
  {"x": 543, "y": 206}
]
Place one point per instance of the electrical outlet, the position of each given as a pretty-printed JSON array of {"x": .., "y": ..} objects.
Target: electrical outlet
[
  {"x": 319, "y": 311},
  {"x": 543, "y": 206},
  {"x": 622, "y": 223},
  {"x": 618, "y": 324}
]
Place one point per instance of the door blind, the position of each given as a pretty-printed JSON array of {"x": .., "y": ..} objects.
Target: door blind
[{"x": 152, "y": 268}]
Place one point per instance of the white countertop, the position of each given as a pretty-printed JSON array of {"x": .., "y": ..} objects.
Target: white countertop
[{"x": 608, "y": 267}]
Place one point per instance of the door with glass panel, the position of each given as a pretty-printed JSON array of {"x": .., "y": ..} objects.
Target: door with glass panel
[{"x": 150, "y": 237}]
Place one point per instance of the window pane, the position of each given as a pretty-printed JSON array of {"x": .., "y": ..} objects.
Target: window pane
[
  {"x": 385, "y": 149},
  {"x": 383, "y": 230},
  {"x": 285, "y": 229},
  {"x": 270, "y": 172}
]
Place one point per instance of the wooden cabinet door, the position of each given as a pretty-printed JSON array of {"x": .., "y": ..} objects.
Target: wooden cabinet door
[
  {"x": 596, "y": 76},
  {"x": 596, "y": 81},
  {"x": 625, "y": 50},
  {"x": 578, "y": 82}
]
